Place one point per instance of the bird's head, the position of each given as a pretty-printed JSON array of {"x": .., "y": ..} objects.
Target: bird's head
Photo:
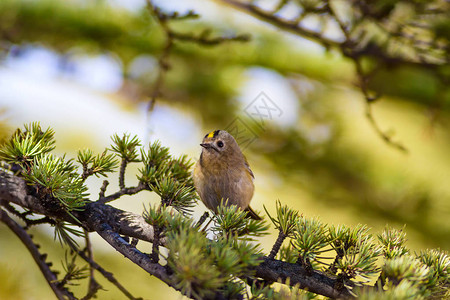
[{"x": 220, "y": 145}]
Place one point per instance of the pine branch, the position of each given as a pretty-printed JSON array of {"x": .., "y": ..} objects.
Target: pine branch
[
  {"x": 110, "y": 223},
  {"x": 199, "y": 267}
]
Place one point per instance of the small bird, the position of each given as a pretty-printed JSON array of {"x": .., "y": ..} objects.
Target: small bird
[{"x": 222, "y": 172}]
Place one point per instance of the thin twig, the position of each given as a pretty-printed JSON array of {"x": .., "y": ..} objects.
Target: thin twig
[
  {"x": 44, "y": 220},
  {"x": 86, "y": 172},
  {"x": 93, "y": 286},
  {"x": 163, "y": 60},
  {"x": 108, "y": 275},
  {"x": 171, "y": 36},
  {"x": 23, "y": 216},
  {"x": 60, "y": 292},
  {"x": 388, "y": 139},
  {"x": 276, "y": 247},
  {"x": 364, "y": 79},
  {"x": 306, "y": 263},
  {"x": 204, "y": 39},
  {"x": 122, "y": 192},
  {"x": 155, "y": 246},
  {"x": 332, "y": 268},
  {"x": 69, "y": 275},
  {"x": 14, "y": 211},
  {"x": 273, "y": 270},
  {"x": 207, "y": 224},
  {"x": 134, "y": 242},
  {"x": 103, "y": 189},
  {"x": 291, "y": 26},
  {"x": 123, "y": 166}
]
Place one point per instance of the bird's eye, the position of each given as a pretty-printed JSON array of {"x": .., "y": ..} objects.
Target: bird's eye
[{"x": 220, "y": 144}]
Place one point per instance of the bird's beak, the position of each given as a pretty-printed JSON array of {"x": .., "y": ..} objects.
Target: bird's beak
[{"x": 209, "y": 146}]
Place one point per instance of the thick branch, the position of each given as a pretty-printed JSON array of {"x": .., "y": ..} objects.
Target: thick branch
[
  {"x": 274, "y": 270},
  {"x": 142, "y": 260},
  {"x": 133, "y": 254},
  {"x": 13, "y": 189}
]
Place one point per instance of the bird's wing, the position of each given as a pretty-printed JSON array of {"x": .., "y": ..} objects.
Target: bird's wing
[{"x": 247, "y": 166}]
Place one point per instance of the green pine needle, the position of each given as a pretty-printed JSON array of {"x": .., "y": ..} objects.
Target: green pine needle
[
  {"x": 405, "y": 290},
  {"x": 65, "y": 234},
  {"x": 126, "y": 147},
  {"x": 343, "y": 238},
  {"x": 56, "y": 177},
  {"x": 231, "y": 221},
  {"x": 85, "y": 156},
  {"x": 25, "y": 145},
  {"x": 98, "y": 165},
  {"x": 155, "y": 161},
  {"x": 437, "y": 283},
  {"x": 103, "y": 163},
  {"x": 288, "y": 253},
  {"x": 393, "y": 242},
  {"x": 405, "y": 267},
  {"x": 438, "y": 261},
  {"x": 180, "y": 169},
  {"x": 286, "y": 219},
  {"x": 194, "y": 271},
  {"x": 310, "y": 237},
  {"x": 175, "y": 194},
  {"x": 227, "y": 258},
  {"x": 73, "y": 273}
]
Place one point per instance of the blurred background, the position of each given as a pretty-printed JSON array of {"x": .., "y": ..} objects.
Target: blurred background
[{"x": 90, "y": 69}]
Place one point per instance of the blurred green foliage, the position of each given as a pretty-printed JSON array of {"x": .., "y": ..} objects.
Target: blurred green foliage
[
  {"x": 206, "y": 80},
  {"x": 199, "y": 77}
]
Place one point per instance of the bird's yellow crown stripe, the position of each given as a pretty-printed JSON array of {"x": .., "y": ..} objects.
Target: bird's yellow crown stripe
[{"x": 213, "y": 133}]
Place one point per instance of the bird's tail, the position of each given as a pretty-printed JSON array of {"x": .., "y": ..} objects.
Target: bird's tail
[{"x": 252, "y": 214}]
